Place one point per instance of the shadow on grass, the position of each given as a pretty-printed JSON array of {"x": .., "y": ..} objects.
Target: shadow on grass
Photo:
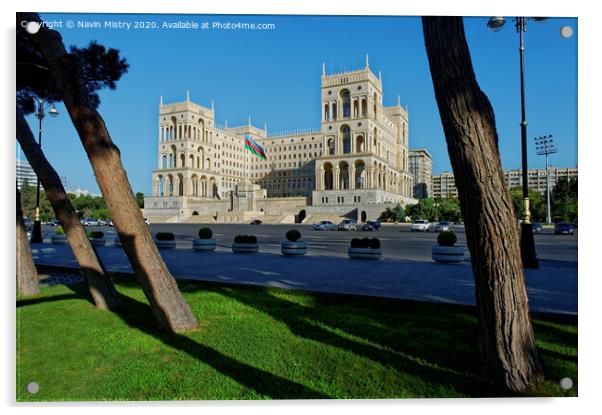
[
  {"x": 41, "y": 300},
  {"x": 425, "y": 350},
  {"x": 139, "y": 316}
]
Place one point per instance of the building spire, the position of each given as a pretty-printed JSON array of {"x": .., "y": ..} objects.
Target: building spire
[
  {"x": 249, "y": 120},
  {"x": 212, "y": 108},
  {"x": 226, "y": 125},
  {"x": 398, "y": 101},
  {"x": 265, "y": 127},
  {"x": 187, "y": 95},
  {"x": 380, "y": 78},
  {"x": 161, "y": 101},
  {"x": 323, "y": 68},
  {"x": 367, "y": 64}
]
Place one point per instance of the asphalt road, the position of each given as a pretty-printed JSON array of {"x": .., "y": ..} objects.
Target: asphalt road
[{"x": 397, "y": 241}]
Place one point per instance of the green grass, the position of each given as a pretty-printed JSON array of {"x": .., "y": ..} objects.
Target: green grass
[{"x": 256, "y": 343}]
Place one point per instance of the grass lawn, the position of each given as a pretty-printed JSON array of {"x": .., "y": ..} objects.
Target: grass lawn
[{"x": 258, "y": 343}]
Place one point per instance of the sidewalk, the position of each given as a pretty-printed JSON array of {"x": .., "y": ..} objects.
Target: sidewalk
[{"x": 552, "y": 288}]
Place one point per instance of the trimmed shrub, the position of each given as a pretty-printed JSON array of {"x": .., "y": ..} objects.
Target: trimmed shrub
[
  {"x": 205, "y": 233},
  {"x": 59, "y": 230},
  {"x": 245, "y": 239},
  {"x": 374, "y": 243},
  {"x": 446, "y": 238},
  {"x": 293, "y": 235},
  {"x": 355, "y": 243},
  {"x": 96, "y": 234},
  {"x": 165, "y": 236}
]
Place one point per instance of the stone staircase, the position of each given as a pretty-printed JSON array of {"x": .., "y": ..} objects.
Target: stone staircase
[{"x": 320, "y": 217}]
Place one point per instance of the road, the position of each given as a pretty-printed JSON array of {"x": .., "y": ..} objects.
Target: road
[{"x": 397, "y": 241}]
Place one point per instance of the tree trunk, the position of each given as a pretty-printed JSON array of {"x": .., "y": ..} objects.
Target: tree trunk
[
  {"x": 27, "y": 275},
  {"x": 506, "y": 337},
  {"x": 101, "y": 287},
  {"x": 169, "y": 307}
]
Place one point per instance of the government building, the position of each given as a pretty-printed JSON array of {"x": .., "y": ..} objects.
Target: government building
[{"x": 354, "y": 166}]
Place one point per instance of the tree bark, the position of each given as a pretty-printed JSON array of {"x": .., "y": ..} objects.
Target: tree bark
[
  {"x": 506, "y": 337},
  {"x": 27, "y": 274},
  {"x": 169, "y": 307},
  {"x": 101, "y": 287}
]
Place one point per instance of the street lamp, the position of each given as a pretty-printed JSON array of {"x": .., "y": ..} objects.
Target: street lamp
[
  {"x": 544, "y": 145},
  {"x": 36, "y": 234},
  {"x": 527, "y": 244}
]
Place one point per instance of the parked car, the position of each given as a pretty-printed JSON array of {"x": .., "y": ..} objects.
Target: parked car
[
  {"x": 145, "y": 221},
  {"x": 347, "y": 225},
  {"x": 324, "y": 225},
  {"x": 54, "y": 222},
  {"x": 442, "y": 226},
  {"x": 371, "y": 225},
  {"x": 536, "y": 227},
  {"x": 93, "y": 222},
  {"x": 421, "y": 225},
  {"x": 27, "y": 223},
  {"x": 255, "y": 222},
  {"x": 563, "y": 228}
]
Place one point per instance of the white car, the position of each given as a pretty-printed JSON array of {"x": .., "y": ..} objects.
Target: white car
[
  {"x": 347, "y": 225},
  {"x": 324, "y": 225},
  {"x": 443, "y": 226},
  {"x": 421, "y": 225}
]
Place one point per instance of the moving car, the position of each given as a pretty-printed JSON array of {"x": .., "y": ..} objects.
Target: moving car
[
  {"x": 443, "y": 226},
  {"x": 563, "y": 228},
  {"x": 371, "y": 225},
  {"x": 255, "y": 222},
  {"x": 536, "y": 227},
  {"x": 347, "y": 225},
  {"x": 145, "y": 221},
  {"x": 421, "y": 225},
  {"x": 324, "y": 225}
]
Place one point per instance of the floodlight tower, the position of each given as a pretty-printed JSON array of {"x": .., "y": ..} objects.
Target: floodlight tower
[{"x": 545, "y": 146}]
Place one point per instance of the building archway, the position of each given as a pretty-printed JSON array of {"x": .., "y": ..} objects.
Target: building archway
[
  {"x": 360, "y": 176},
  {"x": 301, "y": 216},
  {"x": 363, "y": 216},
  {"x": 359, "y": 144}
]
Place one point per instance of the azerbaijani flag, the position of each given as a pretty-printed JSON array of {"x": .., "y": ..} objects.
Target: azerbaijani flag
[{"x": 254, "y": 148}]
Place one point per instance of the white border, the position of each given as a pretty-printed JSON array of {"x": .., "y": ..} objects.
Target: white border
[{"x": 589, "y": 146}]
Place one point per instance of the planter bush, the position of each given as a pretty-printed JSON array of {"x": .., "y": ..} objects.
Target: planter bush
[
  {"x": 97, "y": 238},
  {"x": 446, "y": 252},
  {"x": 245, "y": 244},
  {"x": 293, "y": 246},
  {"x": 205, "y": 242},
  {"x": 365, "y": 248},
  {"x": 59, "y": 237},
  {"x": 165, "y": 240}
]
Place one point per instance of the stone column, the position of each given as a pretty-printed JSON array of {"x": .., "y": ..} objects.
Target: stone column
[
  {"x": 352, "y": 137},
  {"x": 335, "y": 178},
  {"x": 351, "y": 177}
]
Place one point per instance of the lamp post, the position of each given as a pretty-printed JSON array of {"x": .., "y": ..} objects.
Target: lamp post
[
  {"x": 527, "y": 244},
  {"x": 544, "y": 145},
  {"x": 36, "y": 234}
]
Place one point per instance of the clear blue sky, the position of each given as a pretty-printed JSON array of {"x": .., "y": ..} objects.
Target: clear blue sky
[{"x": 274, "y": 76}]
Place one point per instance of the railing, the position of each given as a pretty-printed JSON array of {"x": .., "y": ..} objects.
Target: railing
[{"x": 294, "y": 132}]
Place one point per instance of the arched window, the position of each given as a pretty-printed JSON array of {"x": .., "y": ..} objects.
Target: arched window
[
  {"x": 346, "y": 102},
  {"x": 346, "y": 138}
]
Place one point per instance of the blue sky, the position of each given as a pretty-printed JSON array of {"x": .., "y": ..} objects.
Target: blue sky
[{"x": 274, "y": 76}]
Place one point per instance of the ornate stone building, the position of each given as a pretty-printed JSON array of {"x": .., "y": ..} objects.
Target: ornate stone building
[{"x": 354, "y": 165}]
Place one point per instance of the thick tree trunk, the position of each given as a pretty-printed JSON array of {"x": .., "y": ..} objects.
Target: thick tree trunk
[
  {"x": 169, "y": 307},
  {"x": 27, "y": 275},
  {"x": 506, "y": 336},
  {"x": 101, "y": 287}
]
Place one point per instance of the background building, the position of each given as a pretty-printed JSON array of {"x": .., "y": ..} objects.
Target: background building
[
  {"x": 25, "y": 173},
  {"x": 444, "y": 184},
  {"x": 421, "y": 168},
  {"x": 356, "y": 162}
]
